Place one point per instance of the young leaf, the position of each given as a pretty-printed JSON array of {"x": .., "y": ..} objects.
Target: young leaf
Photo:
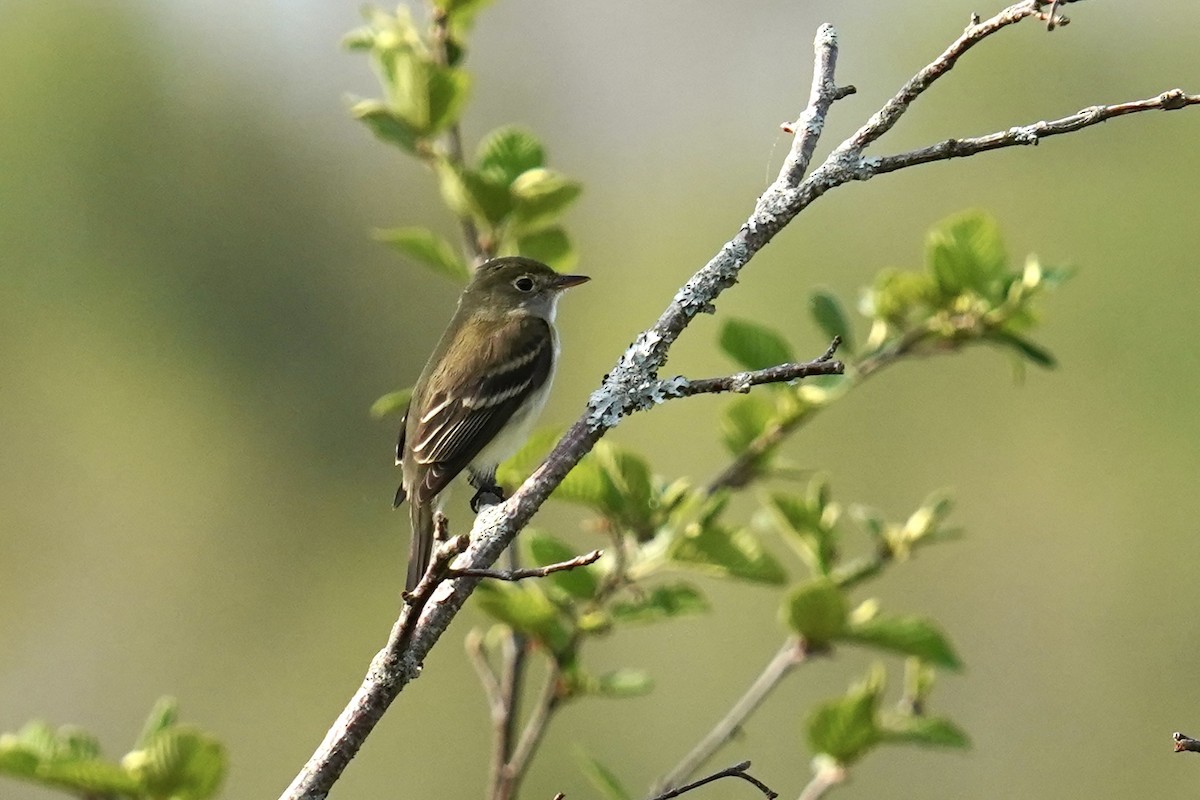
[
  {"x": 541, "y": 197},
  {"x": 449, "y": 89},
  {"x": 526, "y": 608},
  {"x": 662, "y": 602},
  {"x": 754, "y": 346},
  {"x": 717, "y": 550},
  {"x": 507, "y": 152},
  {"x": 580, "y": 582},
  {"x": 625, "y": 683},
  {"x": 603, "y": 779},
  {"x": 180, "y": 762},
  {"x": 816, "y": 610},
  {"x": 392, "y": 403},
  {"x": 809, "y": 526},
  {"x": 386, "y": 124},
  {"x": 428, "y": 248},
  {"x": 163, "y": 715},
  {"x": 924, "y": 731},
  {"x": 744, "y": 419},
  {"x": 830, "y": 317},
  {"x": 965, "y": 252},
  {"x": 910, "y": 635},
  {"x": 550, "y": 246},
  {"x": 846, "y": 728}
]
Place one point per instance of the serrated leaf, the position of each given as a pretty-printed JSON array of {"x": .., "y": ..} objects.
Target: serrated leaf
[
  {"x": 816, "y": 610},
  {"x": 922, "y": 730},
  {"x": 623, "y": 683},
  {"x": 1029, "y": 350},
  {"x": 386, "y": 124},
  {"x": 581, "y": 583},
  {"x": 89, "y": 777},
  {"x": 845, "y": 728},
  {"x": 470, "y": 194},
  {"x": 753, "y": 346},
  {"x": 525, "y": 608},
  {"x": 966, "y": 252},
  {"x": 181, "y": 763},
  {"x": 744, "y": 419},
  {"x": 717, "y": 550},
  {"x": 909, "y": 635},
  {"x": 542, "y": 195},
  {"x": 507, "y": 152},
  {"x": 392, "y": 403},
  {"x": 831, "y": 318},
  {"x": 428, "y": 248},
  {"x": 603, "y": 779},
  {"x": 662, "y": 602},
  {"x": 550, "y": 246}
]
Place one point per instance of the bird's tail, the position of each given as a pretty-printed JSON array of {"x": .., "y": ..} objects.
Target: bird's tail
[{"x": 421, "y": 550}]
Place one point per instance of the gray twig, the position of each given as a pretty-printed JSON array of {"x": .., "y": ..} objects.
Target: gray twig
[
  {"x": 526, "y": 572},
  {"x": 791, "y": 655}
]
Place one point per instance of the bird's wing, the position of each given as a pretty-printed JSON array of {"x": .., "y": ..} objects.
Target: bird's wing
[{"x": 481, "y": 391}]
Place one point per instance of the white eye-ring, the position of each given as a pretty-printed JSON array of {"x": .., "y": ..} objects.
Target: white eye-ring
[{"x": 524, "y": 284}]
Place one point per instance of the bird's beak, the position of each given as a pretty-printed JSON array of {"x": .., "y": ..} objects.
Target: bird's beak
[{"x": 567, "y": 281}]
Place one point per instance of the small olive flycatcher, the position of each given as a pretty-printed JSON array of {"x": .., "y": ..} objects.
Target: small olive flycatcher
[{"x": 480, "y": 391}]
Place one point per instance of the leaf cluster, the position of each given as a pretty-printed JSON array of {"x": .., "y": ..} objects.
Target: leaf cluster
[
  {"x": 169, "y": 761},
  {"x": 509, "y": 198}
]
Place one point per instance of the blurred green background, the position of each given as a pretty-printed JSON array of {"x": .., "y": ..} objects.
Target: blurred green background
[{"x": 194, "y": 321}]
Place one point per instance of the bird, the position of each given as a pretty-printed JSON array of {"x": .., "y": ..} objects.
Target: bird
[{"x": 480, "y": 392}]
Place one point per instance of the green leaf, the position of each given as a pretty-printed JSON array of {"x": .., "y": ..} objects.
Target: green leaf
[
  {"x": 470, "y": 194},
  {"x": 581, "y": 583},
  {"x": 831, "y": 318},
  {"x": 754, "y": 346},
  {"x": 744, "y": 419},
  {"x": 163, "y": 715},
  {"x": 624, "y": 683},
  {"x": 386, "y": 124},
  {"x": 1025, "y": 348},
  {"x": 924, "y": 731},
  {"x": 89, "y": 776},
  {"x": 966, "y": 253},
  {"x": 845, "y": 728},
  {"x": 717, "y": 550},
  {"x": 526, "y": 608},
  {"x": 808, "y": 524},
  {"x": 181, "y": 763},
  {"x": 541, "y": 196},
  {"x": 603, "y": 779},
  {"x": 461, "y": 13},
  {"x": 507, "y": 152},
  {"x": 816, "y": 610},
  {"x": 392, "y": 403},
  {"x": 550, "y": 246},
  {"x": 429, "y": 249},
  {"x": 521, "y": 465},
  {"x": 909, "y": 635},
  {"x": 449, "y": 89},
  {"x": 662, "y": 602}
]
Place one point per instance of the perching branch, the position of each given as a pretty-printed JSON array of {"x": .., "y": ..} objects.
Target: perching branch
[
  {"x": 1185, "y": 743},
  {"x": 627, "y": 387},
  {"x": 791, "y": 655},
  {"x": 736, "y": 771},
  {"x": 527, "y": 572}
]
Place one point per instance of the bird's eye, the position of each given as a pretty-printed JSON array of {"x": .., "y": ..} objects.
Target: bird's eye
[{"x": 524, "y": 284}]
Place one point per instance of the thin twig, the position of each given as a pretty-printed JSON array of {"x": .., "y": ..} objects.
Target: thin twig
[
  {"x": 514, "y": 771},
  {"x": 742, "y": 381},
  {"x": 527, "y": 572},
  {"x": 791, "y": 655},
  {"x": 736, "y": 771},
  {"x": 1185, "y": 743}
]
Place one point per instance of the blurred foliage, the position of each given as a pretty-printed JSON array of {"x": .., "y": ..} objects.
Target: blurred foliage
[{"x": 169, "y": 761}]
